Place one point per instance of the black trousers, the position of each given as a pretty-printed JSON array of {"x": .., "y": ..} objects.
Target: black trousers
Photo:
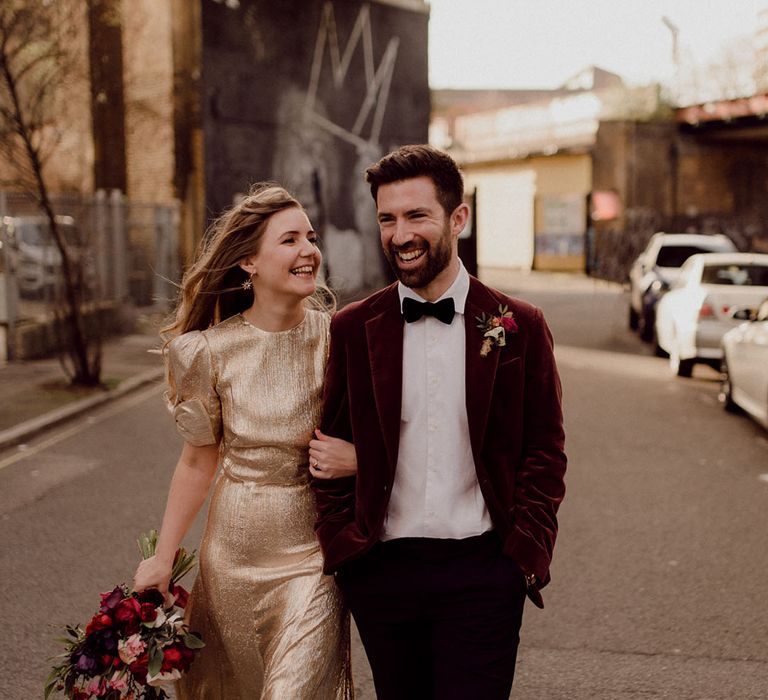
[{"x": 438, "y": 618}]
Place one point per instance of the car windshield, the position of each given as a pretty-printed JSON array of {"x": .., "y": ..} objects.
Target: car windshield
[
  {"x": 37, "y": 234},
  {"x": 733, "y": 274},
  {"x": 676, "y": 255},
  {"x": 30, "y": 234}
]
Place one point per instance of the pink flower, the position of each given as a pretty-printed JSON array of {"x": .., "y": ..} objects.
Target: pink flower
[
  {"x": 95, "y": 686},
  {"x": 130, "y": 649},
  {"x": 119, "y": 684},
  {"x": 509, "y": 324}
]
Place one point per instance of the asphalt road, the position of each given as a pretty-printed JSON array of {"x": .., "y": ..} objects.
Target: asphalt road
[{"x": 659, "y": 579}]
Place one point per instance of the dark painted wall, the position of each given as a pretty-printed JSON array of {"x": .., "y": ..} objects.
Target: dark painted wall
[{"x": 308, "y": 93}]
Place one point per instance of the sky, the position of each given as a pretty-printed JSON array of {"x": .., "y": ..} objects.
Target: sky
[{"x": 541, "y": 43}]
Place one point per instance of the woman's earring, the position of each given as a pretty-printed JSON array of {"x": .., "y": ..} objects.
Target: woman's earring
[{"x": 247, "y": 283}]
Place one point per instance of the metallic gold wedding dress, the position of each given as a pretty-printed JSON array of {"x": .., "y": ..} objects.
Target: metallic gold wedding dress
[{"x": 274, "y": 626}]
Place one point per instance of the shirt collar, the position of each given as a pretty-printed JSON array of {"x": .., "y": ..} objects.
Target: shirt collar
[{"x": 458, "y": 290}]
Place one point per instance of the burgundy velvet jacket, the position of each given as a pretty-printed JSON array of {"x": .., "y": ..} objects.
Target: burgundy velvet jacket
[{"x": 513, "y": 399}]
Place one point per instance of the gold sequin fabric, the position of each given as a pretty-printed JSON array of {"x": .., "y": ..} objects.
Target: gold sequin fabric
[{"x": 274, "y": 626}]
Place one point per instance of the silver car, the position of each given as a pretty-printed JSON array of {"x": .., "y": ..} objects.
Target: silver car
[
  {"x": 712, "y": 295},
  {"x": 745, "y": 367},
  {"x": 38, "y": 260}
]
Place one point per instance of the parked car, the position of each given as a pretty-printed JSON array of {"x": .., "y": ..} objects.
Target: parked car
[
  {"x": 744, "y": 378},
  {"x": 713, "y": 293},
  {"x": 37, "y": 258},
  {"x": 656, "y": 269}
]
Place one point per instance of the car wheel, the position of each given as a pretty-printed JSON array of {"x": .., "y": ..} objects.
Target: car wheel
[
  {"x": 634, "y": 319},
  {"x": 725, "y": 396},
  {"x": 678, "y": 366},
  {"x": 647, "y": 330}
]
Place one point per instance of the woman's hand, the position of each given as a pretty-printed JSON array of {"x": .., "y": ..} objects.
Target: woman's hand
[
  {"x": 153, "y": 573},
  {"x": 331, "y": 458}
]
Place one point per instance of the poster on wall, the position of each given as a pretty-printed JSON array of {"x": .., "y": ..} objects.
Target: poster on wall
[{"x": 560, "y": 230}]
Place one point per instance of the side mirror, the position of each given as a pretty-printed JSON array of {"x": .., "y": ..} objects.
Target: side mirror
[{"x": 743, "y": 314}]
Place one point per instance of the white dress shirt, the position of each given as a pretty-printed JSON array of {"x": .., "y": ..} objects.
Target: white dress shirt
[{"x": 435, "y": 493}]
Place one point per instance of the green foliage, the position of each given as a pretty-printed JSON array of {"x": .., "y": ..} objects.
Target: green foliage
[{"x": 183, "y": 562}]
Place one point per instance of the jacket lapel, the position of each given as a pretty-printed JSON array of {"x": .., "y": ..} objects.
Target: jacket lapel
[
  {"x": 384, "y": 334},
  {"x": 480, "y": 371}
]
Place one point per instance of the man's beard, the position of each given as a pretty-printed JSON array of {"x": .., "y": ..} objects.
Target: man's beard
[{"x": 436, "y": 259}]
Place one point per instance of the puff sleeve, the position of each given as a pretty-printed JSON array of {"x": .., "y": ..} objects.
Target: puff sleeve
[{"x": 191, "y": 394}]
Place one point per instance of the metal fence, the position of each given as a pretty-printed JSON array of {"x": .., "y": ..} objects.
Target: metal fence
[{"x": 128, "y": 251}]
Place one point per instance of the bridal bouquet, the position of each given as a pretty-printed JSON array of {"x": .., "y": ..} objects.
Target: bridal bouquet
[{"x": 134, "y": 643}]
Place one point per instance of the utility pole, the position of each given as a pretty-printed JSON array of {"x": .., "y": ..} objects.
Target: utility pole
[{"x": 675, "y": 31}]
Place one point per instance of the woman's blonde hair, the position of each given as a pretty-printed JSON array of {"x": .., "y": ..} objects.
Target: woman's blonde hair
[{"x": 212, "y": 288}]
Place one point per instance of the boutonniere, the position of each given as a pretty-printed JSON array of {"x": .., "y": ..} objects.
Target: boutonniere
[{"x": 495, "y": 328}]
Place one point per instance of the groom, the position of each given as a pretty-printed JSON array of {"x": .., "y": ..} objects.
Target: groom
[{"x": 450, "y": 393}]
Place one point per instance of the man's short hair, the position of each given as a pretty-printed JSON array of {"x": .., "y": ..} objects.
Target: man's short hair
[{"x": 417, "y": 161}]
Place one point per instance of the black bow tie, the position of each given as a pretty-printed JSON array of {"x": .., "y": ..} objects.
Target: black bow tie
[{"x": 443, "y": 310}]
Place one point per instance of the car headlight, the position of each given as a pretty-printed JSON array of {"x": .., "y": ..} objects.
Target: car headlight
[{"x": 659, "y": 286}]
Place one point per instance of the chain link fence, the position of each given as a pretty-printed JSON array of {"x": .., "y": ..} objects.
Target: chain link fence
[{"x": 127, "y": 253}]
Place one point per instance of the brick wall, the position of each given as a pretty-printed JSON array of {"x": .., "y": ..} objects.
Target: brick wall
[
  {"x": 670, "y": 180},
  {"x": 148, "y": 60}
]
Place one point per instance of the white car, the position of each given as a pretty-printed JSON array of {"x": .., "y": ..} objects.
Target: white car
[
  {"x": 656, "y": 269},
  {"x": 745, "y": 367},
  {"x": 712, "y": 294}
]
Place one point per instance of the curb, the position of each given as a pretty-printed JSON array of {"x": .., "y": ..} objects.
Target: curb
[{"x": 33, "y": 426}]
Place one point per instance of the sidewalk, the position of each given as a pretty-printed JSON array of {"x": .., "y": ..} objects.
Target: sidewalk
[
  {"x": 518, "y": 282},
  {"x": 35, "y": 395}
]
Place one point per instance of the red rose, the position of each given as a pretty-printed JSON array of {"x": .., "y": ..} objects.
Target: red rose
[
  {"x": 172, "y": 658},
  {"x": 188, "y": 656},
  {"x": 151, "y": 595},
  {"x": 181, "y": 594},
  {"x": 99, "y": 621},
  {"x": 147, "y": 612},
  {"x": 139, "y": 668},
  {"x": 509, "y": 324},
  {"x": 127, "y": 615},
  {"x": 107, "y": 659}
]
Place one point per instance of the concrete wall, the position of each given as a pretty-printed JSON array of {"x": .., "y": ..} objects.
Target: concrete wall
[{"x": 308, "y": 93}]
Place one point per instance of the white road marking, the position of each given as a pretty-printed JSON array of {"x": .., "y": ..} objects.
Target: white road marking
[{"x": 26, "y": 451}]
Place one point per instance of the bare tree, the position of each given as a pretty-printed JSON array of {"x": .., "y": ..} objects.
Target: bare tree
[
  {"x": 731, "y": 73},
  {"x": 36, "y": 63}
]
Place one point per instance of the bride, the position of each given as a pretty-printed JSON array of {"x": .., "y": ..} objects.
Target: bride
[{"x": 245, "y": 371}]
